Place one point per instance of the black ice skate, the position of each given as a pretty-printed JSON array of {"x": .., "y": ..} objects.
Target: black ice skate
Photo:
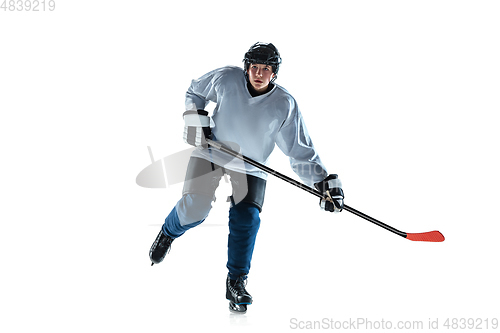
[
  {"x": 237, "y": 295},
  {"x": 160, "y": 248}
]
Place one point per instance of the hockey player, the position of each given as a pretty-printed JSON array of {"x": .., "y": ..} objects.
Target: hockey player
[{"x": 255, "y": 114}]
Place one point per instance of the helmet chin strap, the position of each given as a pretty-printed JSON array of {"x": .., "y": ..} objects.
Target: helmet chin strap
[
  {"x": 255, "y": 93},
  {"x": 272, "y": 80}
]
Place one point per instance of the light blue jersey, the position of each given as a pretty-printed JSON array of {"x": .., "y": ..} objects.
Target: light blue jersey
[{"x": 255, "y": 124}]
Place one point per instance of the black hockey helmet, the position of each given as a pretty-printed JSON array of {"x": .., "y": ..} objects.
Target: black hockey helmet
[{"x": 263, "y": 53}]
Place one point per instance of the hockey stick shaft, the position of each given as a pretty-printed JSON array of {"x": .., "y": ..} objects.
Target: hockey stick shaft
[{"x": 433, "y": 236}]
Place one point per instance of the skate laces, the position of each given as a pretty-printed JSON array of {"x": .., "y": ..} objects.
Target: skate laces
[
  {"x": 165, "y": 241},
  {"x": 240, "y": 284},
  {"x": 168, "y": 242}
]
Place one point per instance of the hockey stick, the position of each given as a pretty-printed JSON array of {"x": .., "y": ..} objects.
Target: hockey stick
[{"x": 431, "y": 236}]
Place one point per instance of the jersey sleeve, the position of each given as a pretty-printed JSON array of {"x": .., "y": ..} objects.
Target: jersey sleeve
[
  {"x": 295, "y": 142},
  {"x": 203, "y": 90}
]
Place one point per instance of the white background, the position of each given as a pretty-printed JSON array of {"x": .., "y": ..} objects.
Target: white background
[{"x": 399, "y": 98}]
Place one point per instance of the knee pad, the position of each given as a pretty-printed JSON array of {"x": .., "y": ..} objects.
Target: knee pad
[
  {"x": 193, "y": 208},
  {"x": 244, "y": 216}
]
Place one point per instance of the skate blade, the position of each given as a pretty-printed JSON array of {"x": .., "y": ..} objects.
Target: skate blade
[{"x": 237, "y": 308}]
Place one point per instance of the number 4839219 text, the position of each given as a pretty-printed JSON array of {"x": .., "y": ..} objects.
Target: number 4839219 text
[{"x": 28, "y": 5}]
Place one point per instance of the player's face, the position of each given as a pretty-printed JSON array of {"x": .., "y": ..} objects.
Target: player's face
[{"x": 260, "y": 76}]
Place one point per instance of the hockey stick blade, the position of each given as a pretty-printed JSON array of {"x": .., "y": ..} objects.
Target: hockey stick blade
[{"x": 431, "y": 236}]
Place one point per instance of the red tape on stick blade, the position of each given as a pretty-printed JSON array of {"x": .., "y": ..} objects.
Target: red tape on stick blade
[{"x": 431, "y": 236}]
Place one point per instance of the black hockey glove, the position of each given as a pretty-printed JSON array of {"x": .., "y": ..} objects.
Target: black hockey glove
[
  {"x": 331, "y": 188},
  {"x": 196, "y": 127}
]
